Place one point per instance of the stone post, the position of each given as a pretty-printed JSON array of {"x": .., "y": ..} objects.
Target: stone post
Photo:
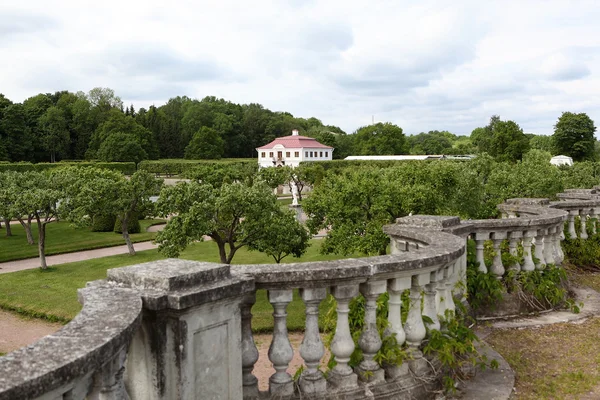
[
  {"x": 528, "y": 264},
  {"x": 515, "y": 238},
  {"x": 540, "y": 248},
  {"x": 480, "y": 238},
  {"x": 549, "y": 246},
  {"x": 594, "y": 220},
  {"x": 559, "y": 255},
  {"x": 448, "y": 281},
  {"x": 280, "y": 351},
  {"x": 429, "y": 302},
  {"x": 370, "y": 342},
  {"x": 583, "y": 218},
  {"x": 497, "y": 268},
  {"x": 341, "y": 376},
  {"x": 395, "y": 288},
  {"x": 414, "y": 327},
  {"x": 190, "y": 342},
  {"x": 249, "y": 350},
  {"x": 108, "y": 382},
  {"x": 312, "y": 350},
  {"x": 572, "y": 231}
]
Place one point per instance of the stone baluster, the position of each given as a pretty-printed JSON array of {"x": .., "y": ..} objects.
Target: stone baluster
[
  {"x": 559, "y": 256},
  {"x": 540, "y": 248},
  {"x": 572, "y": 231},
  {"x": 370, "y": 341},
  {"x": 480, "y": 238},
  {"x": 515, "y": 238},
  {"x": 414, "y": 327},
  {"x": 593, "y": 221},
  {"x": 341, "y": 376},
  {"x": 583, "y": 218},
  {"x": 528, "y": 264},
  {"x": 280, "y": 351},
  {"x": 549, "y": 246},
  {"x": 448, "y": 280},
  {"x": 429, "y": 302},
  {"x": 108, "y": 381},
  {"x": 497, "y": 268},
  {"x": 395, "y": 288},
  {"x": 249, "y": 350},
  {"x": 312, "y": 350}
]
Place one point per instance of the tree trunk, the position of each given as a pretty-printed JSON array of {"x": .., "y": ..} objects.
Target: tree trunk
[
  {"x": 42, "y": 243},
  {"x": 124, "y": 223},
  {"x": 27, "y": 228},
  {"x": 8, "y": 229},
  {"x": 222, "y": 252}
]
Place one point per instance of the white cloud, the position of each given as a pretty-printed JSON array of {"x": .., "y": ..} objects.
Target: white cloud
[{"x": 426, "y": 65}]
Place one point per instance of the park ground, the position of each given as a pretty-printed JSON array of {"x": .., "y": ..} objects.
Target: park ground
[{"x": 558, "y": 361}]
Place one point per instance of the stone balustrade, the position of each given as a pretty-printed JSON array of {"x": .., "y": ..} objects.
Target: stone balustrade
[{"x": 177, "y": 329}]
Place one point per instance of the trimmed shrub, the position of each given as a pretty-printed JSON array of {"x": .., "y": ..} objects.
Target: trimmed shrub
[
  {"x": 127, "y": 168},
  {"x": 132, "y": 227},
  {"x": 103, "y": 223}
]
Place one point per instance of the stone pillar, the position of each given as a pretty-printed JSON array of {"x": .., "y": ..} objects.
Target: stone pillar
[
  {"x": 341, "y": 376},
  {"x": 572, "y": 231},
  {"x": 108, "y": 382},
  {"x": 312, "y": 350},
  {"x": 370, "y": 342},
  {"x": 414, "y": 327},
  {"x": 515, "y": 238},
  {"x": 448, "y": 281},
  {"x": 528, "y": 264},
  {"x": 593, "y": 220},
  {"x": 280, "y": 351},
  {"x": 559, "y": 254},
  {"x": 429, "y": 302},
  {"x": 540, "y": 248},
  {"x": 480, "y": 238},
  {"x": 395, "y": 288},
  {"x": 189, "y": 345},
  {"x": 249, "y": 350},
  {"x": 583, "y": 218},
  {"x": 549, "y": 246},
  {"x": 497, "y": 268}
]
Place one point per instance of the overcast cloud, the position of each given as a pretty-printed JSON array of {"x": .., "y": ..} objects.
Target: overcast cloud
[{"x": 422, "y": 65}]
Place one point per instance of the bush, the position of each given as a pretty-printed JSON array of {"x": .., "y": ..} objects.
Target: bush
[
  {"x": 127, "y": 168},
  {"x": 103, "y": 223},
  {"x": 180, "y": 167},
  {"x": 132, "y": 227}
]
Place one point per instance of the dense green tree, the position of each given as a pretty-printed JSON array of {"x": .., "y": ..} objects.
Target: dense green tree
[
  {"x": 206, "y": 144},
  {"x": 574, "y": 136},
  {"x": 54, "y": 133},
  {"x": 104, "y": 99},
  {"x": 92, "y": 191},
  {"x": 234, "y": 215},
  {"x": 503, "y": 140},
  {"x": 541, "y": 142},
  {"x": 286, "y": 236},
  {"x": 17, "y": 134},
  {"x": 254, "y": 123},
  {"x": 380, "y": 139},
  {"x": 432, "y": 142},
  {"x": 121, "y": 147}
]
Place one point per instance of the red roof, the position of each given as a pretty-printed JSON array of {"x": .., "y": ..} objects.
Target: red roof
[{"x": 294, "y": 142}]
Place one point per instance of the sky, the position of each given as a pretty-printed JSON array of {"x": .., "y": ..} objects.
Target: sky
[{"x": 426, "y": 65}]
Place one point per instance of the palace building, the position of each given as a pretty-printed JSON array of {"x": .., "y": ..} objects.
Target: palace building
[{"x": 291, "y": 150}]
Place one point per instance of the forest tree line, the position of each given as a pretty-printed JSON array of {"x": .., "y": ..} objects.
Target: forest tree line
[{"x": 97, "y": 126}]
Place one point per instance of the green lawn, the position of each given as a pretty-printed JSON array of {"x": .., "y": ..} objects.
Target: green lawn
[
  {"x": 62, "y": 237},
  {"x": 52, "y": 294}
]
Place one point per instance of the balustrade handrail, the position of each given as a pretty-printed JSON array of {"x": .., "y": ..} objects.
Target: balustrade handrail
[
  {"x": 67, "y": 360},
  {"x": 437, "y": 248}
]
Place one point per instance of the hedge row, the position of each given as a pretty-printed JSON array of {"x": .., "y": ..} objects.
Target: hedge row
[
  {"x": 127, "y": 168},
  {"x": 179, "y": 167},
  {"x": 335, "y": 165}
]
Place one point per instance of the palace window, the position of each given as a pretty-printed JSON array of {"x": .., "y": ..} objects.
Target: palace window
[
  {"x": 270, "y": 154},
  {"x": 321, "y": 154},
  {"x": 262, "y": 154},
  {"x": 287, "y": 153},
  {"x": 311, "y": 154},
  {"x": 296, "y": 154},
  {"x": 326, "y": 155}
]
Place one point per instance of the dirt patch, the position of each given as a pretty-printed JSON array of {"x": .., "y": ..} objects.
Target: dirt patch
[{"x": 16, "y": 332}]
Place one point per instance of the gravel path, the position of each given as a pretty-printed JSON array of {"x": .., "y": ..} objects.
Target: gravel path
[{"x": 16, "y": 332}]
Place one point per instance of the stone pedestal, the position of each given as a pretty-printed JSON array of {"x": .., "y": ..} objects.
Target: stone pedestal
[{"x": 189, "y": 344}]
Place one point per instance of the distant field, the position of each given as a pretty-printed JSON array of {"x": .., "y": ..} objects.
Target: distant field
[
  {"x": 52, "y": 294},
  {"x": 62, "y": 237}
]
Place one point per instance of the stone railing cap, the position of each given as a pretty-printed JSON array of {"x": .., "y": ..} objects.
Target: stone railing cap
[
  {"x": 169, "y": 275},
  {"x": 430, "y": 221},
  {"x": 528, "y": 201}
]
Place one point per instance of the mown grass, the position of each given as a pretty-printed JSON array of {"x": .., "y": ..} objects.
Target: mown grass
[
  {"x": 62, "y": 237},
  {"x": 52, "y": 294}
]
